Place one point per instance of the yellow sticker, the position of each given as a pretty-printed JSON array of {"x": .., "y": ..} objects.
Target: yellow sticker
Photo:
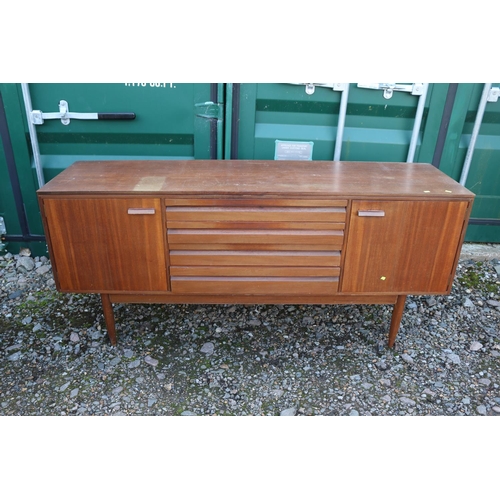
[
  {"x": 382, "y": 278},
  {"x": 426, "y": 191},
  {"x": 447, "y": 191}
]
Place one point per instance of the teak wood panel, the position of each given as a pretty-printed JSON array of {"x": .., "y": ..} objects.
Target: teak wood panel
[
  {"x": 412, "y": 248},
  {"x": 253, "y": 271},
  {"x": 253, "y": 214},
  {"x": 253, "y": 258},
  {"x": 255, "y": 285},
  {"x": 98, "y": 246},
  {"x": 253, "y": 237}
]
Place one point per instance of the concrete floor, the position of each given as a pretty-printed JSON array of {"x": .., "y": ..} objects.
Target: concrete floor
[{"x": 480, "y": 251}]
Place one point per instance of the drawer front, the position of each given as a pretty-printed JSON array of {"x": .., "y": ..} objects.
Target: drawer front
[
  {"x": 260, "y": 214},
  {"x": 254, "y": 237},
  {"x": 240, "y": 271},
  {"x": 256, "y": 258},
  {"x": 254, "y": 285}
]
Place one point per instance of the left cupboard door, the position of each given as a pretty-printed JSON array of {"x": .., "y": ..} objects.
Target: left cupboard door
[{"x": 106, "y": 244}]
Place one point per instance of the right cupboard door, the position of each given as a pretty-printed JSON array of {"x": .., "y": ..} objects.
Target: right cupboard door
[{"x": 402, "y": 247}]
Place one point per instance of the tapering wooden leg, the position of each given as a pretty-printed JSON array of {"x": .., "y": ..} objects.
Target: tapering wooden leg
[
  {"x": 109, "y": 317},
  {"x": 397, "y": 314}
]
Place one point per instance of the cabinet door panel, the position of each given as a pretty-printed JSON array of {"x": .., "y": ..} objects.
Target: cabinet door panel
[
  {"x": 107, "y": 244},
  {"x": 402, "y": 246}
]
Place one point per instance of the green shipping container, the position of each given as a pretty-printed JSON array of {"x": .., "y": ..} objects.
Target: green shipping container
[{"x": 434, "y": 123}]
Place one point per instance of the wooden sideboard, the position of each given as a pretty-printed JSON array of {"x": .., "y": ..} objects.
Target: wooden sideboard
[{"x": 247, "y": 232}]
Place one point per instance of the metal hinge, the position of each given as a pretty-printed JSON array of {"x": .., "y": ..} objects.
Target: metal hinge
[
  {"x": 389, "y": 88},
  {"x": 210, "y": 110},
  {"x": 37, "y": 117},
  {"x": 493, "y": 94},
  {"x": 311, "y": 87}
]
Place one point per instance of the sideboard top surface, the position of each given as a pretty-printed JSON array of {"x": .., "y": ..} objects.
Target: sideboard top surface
[{"x": 260, "y": 178}]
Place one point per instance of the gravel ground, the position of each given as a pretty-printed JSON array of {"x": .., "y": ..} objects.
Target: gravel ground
[{"x": 56, "y": 359}]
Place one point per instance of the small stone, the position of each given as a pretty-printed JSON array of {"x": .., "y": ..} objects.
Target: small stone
[
  {"x": 385, "y": 381},
  {"x": 208, "y": 348},
  {"x": 475, "y": 346},
  {"x": 497, "y": 268},
  {"x": 188, "y": 413},
  {"x": 407, "y": 401},
  {"x": 381, "y": 366},
  {"x": 496, "y": 409},
  {"x": 64, "y": 387},
  {"x": 74, "y": 337},
  {"x": 466, "y": 401},
  {"x": 386, "y": 398},
  {"x": 24, "y": 252},
  {"x": 289, "y": 412},
  {"x": 411, "y": 305},
  {"x": 27, "y": 320},
  {"x": 366, "y": 385},
  {"x": 134, "y": 364},
  {"x": 73, "y": 393},
  {"x": 468, "y": 303},
  {"x": 493, "y": 303},
  {"x": 407, "y": 358},
  {"x": 151, "y": 361},
  {"x": 26, "y": 262},
  {"x": 37, "y": 327},
  {"x": 484, "y": 381},
  {"x": 50, "y": 282},
  {"x": 15, "y": 295},
  {"x": 128, "y": 353},
  {"x": 431, "y": 302},
  {"x": 481, "y": 409},
  {"x": 355, "y": 378},
  {"x": 115, "y": 361},
  {"x": 14, "y": 357},
  {"x": 354, "y": 413},
  {"x": 43, "y": 270},
  {"x": 277, "y": 393},
  {"x": 151, "y": 402},
  {"x": 254, "y": 322},
  {"x": 454, "y": 358},
  {"x": 117, "y": 390}
]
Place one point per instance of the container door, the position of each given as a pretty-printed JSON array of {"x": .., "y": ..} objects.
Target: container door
[
  {"x": 376, "y": 128},
  {"x": 170, "y": 121}
]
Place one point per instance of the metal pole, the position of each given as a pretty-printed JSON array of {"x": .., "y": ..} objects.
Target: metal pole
[
  {"x": 340, "y": 126},
  {"x": 33, "y": 136},
  {"x": 228, "y": 121},
  {"x": 475, "y": 133},
  {"x": 416, "y": 125}
]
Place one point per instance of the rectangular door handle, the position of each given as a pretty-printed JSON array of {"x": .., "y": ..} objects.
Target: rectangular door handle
[
  {"x": 371, "y": 213},
  {"x": 141, "y": 211}
]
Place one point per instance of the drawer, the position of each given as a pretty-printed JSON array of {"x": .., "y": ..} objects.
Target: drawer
[
  {"x": 241, "y": 271},
  {"x": 254, "y": 285},
  {"x": 254, "y": 258},
  {"x": 256, "y": 214},
  {"x": 254, "y": 237}
]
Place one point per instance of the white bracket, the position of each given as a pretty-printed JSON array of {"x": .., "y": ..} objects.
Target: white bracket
[
  {"x": 389, "y": 88},
  {"x": 37, "y": 117},
  {"x": 493, "y": 94},
  {"x": 311, "y": 87}
]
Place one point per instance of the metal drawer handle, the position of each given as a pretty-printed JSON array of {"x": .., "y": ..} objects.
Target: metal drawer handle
[
  {"x": 371, "y": 213},
  {"x": 141, "y": 211}
]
